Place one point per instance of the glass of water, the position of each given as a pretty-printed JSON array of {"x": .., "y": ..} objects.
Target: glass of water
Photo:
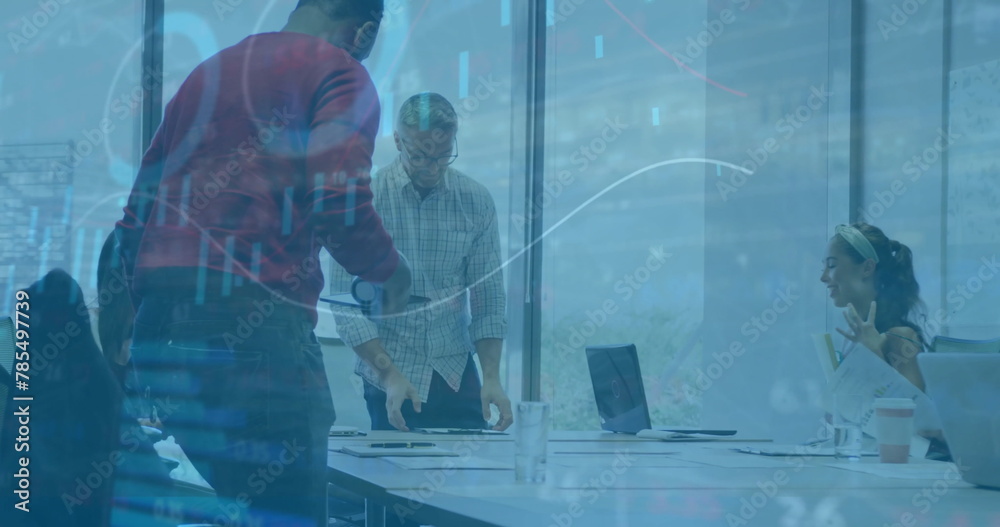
[
  {"x": 531, "y": 441},
  {"x": 847, "y": 433}
]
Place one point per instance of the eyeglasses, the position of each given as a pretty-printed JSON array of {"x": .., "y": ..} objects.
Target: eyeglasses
[{"x": 424, "y": 161}]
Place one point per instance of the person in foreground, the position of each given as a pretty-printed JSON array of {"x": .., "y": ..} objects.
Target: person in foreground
[
  {"x": 872, "y": 277},
  {"x": 262, "y": 160},
  {"x": 74, "y": 420},
  {"x": 418, "y": 368}
]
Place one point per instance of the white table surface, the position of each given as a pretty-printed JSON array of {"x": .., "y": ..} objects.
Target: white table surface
[
  {"x": 701, "y": 507},
  {"x": 651, "y": 482}
]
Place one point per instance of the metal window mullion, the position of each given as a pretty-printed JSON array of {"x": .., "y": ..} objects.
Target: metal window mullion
[
  {"x": 946, "y": 60},
  {"x": 152, "y": 70},
  {"x": 857, "y": 84},
  {"x": 527, "y": 165}
]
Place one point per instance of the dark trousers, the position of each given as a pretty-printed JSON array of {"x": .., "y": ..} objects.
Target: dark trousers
[
  {"x": 445, "y": 408},
  {"x": 240, "y": 384}
]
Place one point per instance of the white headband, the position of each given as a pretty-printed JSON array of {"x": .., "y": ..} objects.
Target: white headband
[{"x": 858, "y": 241}]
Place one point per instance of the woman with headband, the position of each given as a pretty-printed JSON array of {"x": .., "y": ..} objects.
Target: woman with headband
[{"x": 872, "y": 276}]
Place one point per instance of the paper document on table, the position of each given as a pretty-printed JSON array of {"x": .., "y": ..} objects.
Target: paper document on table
[
  {"x": 716, "y": 457},
  {"x": 934, "y": 470},
  {"x": 184, "y": 472},
  {"x": 367, "y": 451},
  {"x": 863, "y": 373},
  {"x": 602, "y": 461},
  {"x": 449, "y": 463},
  {"x": 795, "y": 450},
  {"x": 458, "y": 431},
  {"x": 828, "y": 360},
  {"x": 669, "y": 435}
]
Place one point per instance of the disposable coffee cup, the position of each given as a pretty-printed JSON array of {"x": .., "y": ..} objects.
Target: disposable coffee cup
[{"x": 894, "y": 422}]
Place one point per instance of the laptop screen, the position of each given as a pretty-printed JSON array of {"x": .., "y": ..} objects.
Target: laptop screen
[{"x": 618, "y": 388}]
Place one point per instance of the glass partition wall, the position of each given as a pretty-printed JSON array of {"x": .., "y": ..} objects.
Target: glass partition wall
[
  {"x": 688, "y": 149},
  {"x": 666, "y": 174}
]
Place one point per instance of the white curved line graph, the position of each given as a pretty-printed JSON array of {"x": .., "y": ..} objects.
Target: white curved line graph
[
  {"x": 548, "y": 231},
  {"x": 590, "y": 200},
  {"x": 614, "y": 185}
]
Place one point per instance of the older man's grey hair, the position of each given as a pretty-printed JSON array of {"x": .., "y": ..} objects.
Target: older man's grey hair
[{"x": 428, "y": 111}]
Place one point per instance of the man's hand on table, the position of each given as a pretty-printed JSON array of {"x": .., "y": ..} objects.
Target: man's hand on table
[
  {"x": 398, "y": 389},
  {"x": 492, "y": 393}
]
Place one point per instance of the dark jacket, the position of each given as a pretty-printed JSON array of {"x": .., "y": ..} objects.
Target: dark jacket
[{"x": 78, "y": 443}]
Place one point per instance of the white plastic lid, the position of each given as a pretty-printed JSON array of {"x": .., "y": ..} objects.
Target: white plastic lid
[{"x": 900, "y": 403}]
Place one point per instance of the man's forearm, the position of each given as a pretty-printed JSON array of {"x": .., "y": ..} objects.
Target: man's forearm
[
  {"x": 374, "y": 354},
  {"x": 489, "y": 357}
]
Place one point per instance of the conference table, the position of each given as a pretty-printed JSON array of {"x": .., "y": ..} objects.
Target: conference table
[{"x": 615, "y": 480}]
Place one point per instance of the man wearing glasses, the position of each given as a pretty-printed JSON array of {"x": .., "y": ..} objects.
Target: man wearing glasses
[{"x": 446, "y": 225}]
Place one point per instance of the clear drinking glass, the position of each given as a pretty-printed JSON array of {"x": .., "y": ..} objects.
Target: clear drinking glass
[
  {"x": 531, "y": 441},
  {"x": 847, "y": 435}
]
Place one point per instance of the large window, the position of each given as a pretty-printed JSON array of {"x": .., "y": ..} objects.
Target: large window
[
  {"x": 969, "y": 289},
  {"x": 623, "y": 204},
  {"x": 70, "y": 89},
  {"x": 687, "y": 167},
  {"x": 930, "y": 176}
]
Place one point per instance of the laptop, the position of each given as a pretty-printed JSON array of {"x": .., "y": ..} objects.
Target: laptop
[
  {"x": 621, "y": 396},
  {"x": 944, "y": 344},
  {"x": 965, "y": 387}
]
